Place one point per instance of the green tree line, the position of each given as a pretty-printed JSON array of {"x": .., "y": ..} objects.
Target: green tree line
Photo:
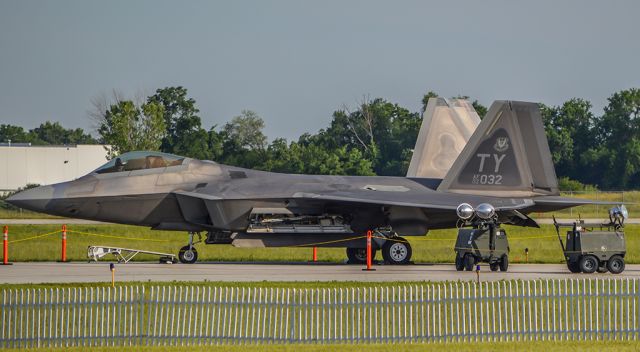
[{"x": 375, "y": 138}]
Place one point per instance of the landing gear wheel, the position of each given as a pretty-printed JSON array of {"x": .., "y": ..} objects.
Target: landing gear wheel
[
  {"x": 504, "y": 263},
  {"x": 589, "y": 264},
  {"x": 616, "y": 264},
  {"x": 396, "y": 251},
  {"x": 469, "y": 262},
  {"x": 359, "y": 255},
  {"x": 459, "y": 263},
  {"x": 494, "y": 266},
  {"x": 188, "y": 255},
  {"x": 574, "y": 267}
]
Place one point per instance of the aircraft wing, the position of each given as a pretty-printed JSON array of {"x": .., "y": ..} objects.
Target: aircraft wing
[
  {"x": 435, "y": 201},
  {"x": 550, "y": 203},
  {"x": 231, "y": 211},
  {"x": 422, "y": 200}
]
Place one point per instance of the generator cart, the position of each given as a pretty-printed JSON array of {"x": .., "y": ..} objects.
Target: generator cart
[
  {"x": 486, "y": 244},
  {"x": 595, "y": 247}
]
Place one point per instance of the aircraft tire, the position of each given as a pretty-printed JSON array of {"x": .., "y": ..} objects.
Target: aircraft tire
[
  {"x": 396, "y": 251},
  {"x": 504, "y": 263},
  {"x": 469, "y": 262},
  {"x": 459, "y": 263},
  {"x": 494, "y": 266},
  {"x": 188, "y": 255},
  {"x": 359, "y": 255},
  {"x": 589, "y": 264},
  {"x": 616, "y": 264}
]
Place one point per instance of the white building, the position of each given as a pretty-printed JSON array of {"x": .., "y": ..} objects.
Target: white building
[{"x": 22, "y": 164}]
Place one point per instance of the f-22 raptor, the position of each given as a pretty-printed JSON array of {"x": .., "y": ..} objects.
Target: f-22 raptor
[{"x": 500, "y": 171}]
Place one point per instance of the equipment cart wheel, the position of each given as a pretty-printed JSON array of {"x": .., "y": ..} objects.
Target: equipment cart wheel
[
  {"x": 469, "y": 262},
  {"x": 396, "y": 251},
  {"x": 573, "y": 266},
  {"x": 616, "y": 264},
  {"x": 188, "y": 255},
  {"x": 359, "y": 255},
  {"x": 459, "y": 263},
  {"x": 589, "y": 264},
  {"x": 504, "y": 263},
  {"x": 494, "y": 266}
]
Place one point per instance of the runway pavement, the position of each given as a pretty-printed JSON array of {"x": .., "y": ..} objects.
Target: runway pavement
[{"x": 96, "y": 272}]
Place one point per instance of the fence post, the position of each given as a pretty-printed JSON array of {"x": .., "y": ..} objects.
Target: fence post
[
  {"x": 5, "y": 246},
  {"x": 64, "y": 244}
]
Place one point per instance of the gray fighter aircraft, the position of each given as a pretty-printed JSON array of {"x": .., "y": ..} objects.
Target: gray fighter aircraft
[{"x": 503, "y": 173}]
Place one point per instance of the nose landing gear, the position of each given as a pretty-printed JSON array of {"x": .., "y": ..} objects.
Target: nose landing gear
[{"x": 188, "y": 254}]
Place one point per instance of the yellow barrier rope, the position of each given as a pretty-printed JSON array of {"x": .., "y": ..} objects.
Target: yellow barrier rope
[
  {"x": 327, "y": 242},
  {"x": 120, "y": 237},
  {"x": 301, "y": 245},
  {"x": 533, "y": 237},
  {"x": 397, "y": 240},
  {"x": 453, "y": 239},
  {"x": 428, "y": 239},
  {"x": 34, "y": 237}
]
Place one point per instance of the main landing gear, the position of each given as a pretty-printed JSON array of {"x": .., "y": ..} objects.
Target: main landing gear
[
  {"x": 188, "y": 254},
  {"x": 395, "y": 251}
]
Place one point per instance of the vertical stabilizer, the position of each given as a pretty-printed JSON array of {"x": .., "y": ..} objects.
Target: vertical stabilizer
[
  {"x": 446, "y": 128},
  {"x": 508, "y": 155}
]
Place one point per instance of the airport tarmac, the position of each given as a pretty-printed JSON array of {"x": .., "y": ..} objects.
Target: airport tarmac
[{"x": 97, "y": 272}]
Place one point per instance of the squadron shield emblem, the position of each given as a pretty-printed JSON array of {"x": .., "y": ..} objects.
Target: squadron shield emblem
[{"x": 502, "y": 144}]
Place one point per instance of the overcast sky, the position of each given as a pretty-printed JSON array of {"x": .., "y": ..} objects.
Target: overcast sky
[{"x": 295, "y": 62}]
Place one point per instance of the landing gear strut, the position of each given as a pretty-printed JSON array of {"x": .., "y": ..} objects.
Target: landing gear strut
[{"x": 188, "y": 254}]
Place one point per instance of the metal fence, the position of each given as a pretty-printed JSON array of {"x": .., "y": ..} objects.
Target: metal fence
[{"x": 586, "y": 309}]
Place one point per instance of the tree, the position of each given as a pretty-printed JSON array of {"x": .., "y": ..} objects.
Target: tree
[
  {"x": 215, "y": 144},
  {"x": 190, "y": 139},
  {"x": 570, "y": 130},
  {"x": 311, "y": 158},
  {"x": 425, "y": 100},
  {"x": 127, "y": 127},
  {"x": 616, "y": 157},
  {"x": 15, "y": 134},
  {"x": 184, "y": 133},
  {"x": 243, "y": 142},
  {"x": 245, "y": 131},
  {"x": 480, "y": 109},
  {"x": 46, "y": 133},
  {"x": 383, "y": 132},
  {"x": 54, "y": 133}
]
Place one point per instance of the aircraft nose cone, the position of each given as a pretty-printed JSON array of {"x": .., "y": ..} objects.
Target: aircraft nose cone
[{"x": 34, "y": 199}]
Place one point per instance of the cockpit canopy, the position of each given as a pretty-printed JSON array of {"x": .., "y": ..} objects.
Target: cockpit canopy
[{"x": 139, "y": 161}]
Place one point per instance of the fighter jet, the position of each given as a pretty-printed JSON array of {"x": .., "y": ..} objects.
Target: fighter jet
[{"x": 502, "y": 174}]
